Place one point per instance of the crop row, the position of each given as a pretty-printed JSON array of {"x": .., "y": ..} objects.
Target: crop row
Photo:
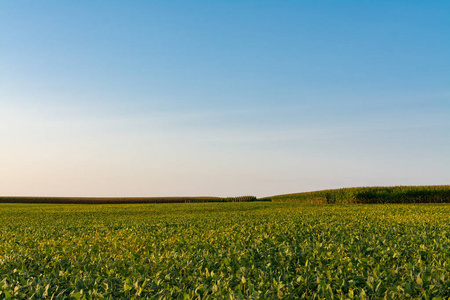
[
  {"x": 123, "y": 200},
  {"x": 396, "y": 194}
]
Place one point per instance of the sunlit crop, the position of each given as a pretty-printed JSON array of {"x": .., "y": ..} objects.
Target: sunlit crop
[
  {"x": 254, "y": 250},
  {"x": 382, "y": 194}
]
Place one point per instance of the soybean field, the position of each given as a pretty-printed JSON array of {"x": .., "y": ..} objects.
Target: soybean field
[{"x": 240, "y": 250}]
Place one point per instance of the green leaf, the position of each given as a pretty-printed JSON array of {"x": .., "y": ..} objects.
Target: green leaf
[
  {"x": 7, "y": 295},
  {"x": 419, "y": 280}
]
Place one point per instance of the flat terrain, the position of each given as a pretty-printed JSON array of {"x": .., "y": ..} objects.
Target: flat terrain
[{"x": 225, "y": 250}]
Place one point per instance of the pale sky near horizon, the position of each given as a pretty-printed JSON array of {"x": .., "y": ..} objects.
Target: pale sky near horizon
[{"x": 222, "y": 98}]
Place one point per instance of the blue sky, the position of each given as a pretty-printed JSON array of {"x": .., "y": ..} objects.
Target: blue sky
[{"x": 162, "y": 98}]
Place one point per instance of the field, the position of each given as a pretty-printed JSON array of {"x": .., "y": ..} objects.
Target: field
[
  {"x": 245, "y": 250},
  {"x": 372, "y": 195},
  {"x": 125, "y": 200}
]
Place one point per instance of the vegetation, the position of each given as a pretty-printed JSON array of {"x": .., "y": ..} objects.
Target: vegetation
[
  {"x": 368, "y": 195},
  {"x": 124, "y": 200},
  {"x": 246, "y": 250},
  {"x": 396, "y": 194}
]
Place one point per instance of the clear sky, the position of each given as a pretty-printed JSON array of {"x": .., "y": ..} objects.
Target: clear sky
[{"x": 173, "y": 98}]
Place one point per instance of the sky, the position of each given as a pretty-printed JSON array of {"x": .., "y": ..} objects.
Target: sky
[{"x": 222, "y": 98}]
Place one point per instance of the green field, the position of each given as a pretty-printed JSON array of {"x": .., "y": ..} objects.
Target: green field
[
  {"x": 249, "y": 250},
  {"x": 371, "y": 195}
]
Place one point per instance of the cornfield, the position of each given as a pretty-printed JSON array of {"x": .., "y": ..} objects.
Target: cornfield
[
  {"x": 124, "y": 200},
  {"x": 370, "y": 195}
]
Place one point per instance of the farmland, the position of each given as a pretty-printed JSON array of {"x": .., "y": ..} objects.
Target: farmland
[
  {"x": 372, "y": 195},
  {"x": 242, "y": 250},
  {"x": 126, "y": 200}
]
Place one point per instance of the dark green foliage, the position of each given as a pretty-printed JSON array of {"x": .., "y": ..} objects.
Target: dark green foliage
[
  {"x": 124, "y": 200},
  {"x": 395, "y": 194}
]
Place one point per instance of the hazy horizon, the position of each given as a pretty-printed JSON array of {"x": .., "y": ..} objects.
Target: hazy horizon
[{"x": 173, "y": 98}]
